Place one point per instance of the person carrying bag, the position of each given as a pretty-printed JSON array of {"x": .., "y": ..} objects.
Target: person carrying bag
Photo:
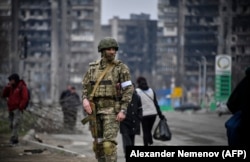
[{"x": 150, "y": 109}]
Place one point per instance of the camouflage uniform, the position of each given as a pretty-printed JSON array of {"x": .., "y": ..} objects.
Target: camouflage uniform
[{"x": 108, "y": 102}]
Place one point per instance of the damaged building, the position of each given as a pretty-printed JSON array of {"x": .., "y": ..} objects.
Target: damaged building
[{"x": 207, "y": 29}]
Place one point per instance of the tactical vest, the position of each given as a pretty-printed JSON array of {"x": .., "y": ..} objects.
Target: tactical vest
[{"x": 107, "y": 86}]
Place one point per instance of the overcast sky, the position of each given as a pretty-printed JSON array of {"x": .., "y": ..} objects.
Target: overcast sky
[{"x": 123, "y": 9}]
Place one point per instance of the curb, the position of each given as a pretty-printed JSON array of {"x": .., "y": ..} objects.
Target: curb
[{"x": 28, "y": 139}]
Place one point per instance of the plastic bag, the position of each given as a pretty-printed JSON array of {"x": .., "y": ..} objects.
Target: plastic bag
[{"x": 162, "y": 131}]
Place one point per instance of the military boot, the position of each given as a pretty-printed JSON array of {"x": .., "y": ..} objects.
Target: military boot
[
  {"x": 111, "y": 158},
  {"x": 101, "y": 159}
]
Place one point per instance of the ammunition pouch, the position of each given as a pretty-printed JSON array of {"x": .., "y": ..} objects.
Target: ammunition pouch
[
  {"x": 104, "y": 89},
  {"x": 105, "y": 102},
  {"x": 108, "y": 102}
]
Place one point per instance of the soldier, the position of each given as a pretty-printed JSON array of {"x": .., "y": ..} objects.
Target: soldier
[{"x": 107, "y": 91}]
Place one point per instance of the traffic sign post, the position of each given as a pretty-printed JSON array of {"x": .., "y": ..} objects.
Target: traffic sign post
[
  {"x": 223, "y": 77},
  {"x": 177, "y": 92}
]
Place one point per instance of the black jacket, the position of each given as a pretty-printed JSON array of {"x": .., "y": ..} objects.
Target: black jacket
[
  {"x": 131, "y": 124},
  {"x": 239, "y": 100}
]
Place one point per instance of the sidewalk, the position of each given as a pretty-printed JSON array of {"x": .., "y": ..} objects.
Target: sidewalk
[
  {"x": 25, "y": 151},
  {"x": 59, "y": 147}
]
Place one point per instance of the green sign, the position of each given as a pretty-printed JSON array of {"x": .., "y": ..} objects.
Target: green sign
[
  {"x": 223, "y": 78},
  {"x": 222, "y": 87}
]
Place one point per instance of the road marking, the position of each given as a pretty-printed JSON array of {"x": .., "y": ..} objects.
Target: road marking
[{"x": 78, "y": 143}]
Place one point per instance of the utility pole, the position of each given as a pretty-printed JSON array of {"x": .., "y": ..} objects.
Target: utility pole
[
  {"x": 199, "y": 82},
  {"x": 64, "y": 47},
  {"x": 204, "y": 78},
  {"x": 54, "y": 53},
  {"x": 14, "y": 58},
  {"x": 180, "y": 55}
]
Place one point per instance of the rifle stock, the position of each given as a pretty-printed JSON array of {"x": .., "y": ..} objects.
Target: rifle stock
[{"x": 85, "y": 120}]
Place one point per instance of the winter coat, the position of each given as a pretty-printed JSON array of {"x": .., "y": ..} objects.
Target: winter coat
[
  {"x": 239, "y": 100},
  {"x": 17, "y": 96},
  {"x": 69, "y": 101},
  {"x": 74, "y": 100},
  {"x": 131, "y": 124},
  {"x": 64, "y": 98}
]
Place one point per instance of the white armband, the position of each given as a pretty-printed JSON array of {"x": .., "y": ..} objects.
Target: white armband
[{"x": 125, "y": 84}]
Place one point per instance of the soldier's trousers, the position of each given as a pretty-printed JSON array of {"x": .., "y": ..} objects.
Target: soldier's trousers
[
  {"x": 108, "y": 128},
  {"x": 15, "y": 118}
]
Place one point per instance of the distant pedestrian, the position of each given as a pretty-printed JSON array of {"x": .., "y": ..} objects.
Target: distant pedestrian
[
  {"x": 130, "y": 126},
  {"x": 64, "y": 102},
  {"x": 150, "y": 109},
  {"x": 74, "y": 103},
  {"x": 17, "y": 96},
  {"x": 239, "y": 104}
]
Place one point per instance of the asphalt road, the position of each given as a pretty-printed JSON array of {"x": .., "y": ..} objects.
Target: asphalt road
[
  {"x": 197, "y": 128},
  {"x": 188, "y": 129}
]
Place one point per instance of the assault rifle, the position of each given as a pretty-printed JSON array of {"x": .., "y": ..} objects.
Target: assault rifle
[{"x": 91, "y": 118}]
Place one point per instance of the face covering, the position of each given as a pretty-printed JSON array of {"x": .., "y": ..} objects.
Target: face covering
[{"x": 110, "y": 57}]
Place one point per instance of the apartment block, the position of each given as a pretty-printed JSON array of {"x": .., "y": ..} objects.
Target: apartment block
[
  {"x": 167, "y": 43},
  {"x": 36, "y": 21},
  {"x": 84, "y": 37},
  {"x": 137, "y": 43},
  {"x": 62, "y": 37},
  {"x": 201, "y": 30},
  {"x": 240, "y": 37}
]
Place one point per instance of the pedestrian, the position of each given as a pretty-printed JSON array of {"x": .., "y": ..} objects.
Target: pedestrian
[
  {"x": 130, "y": 126},
  {"x": 65, "y": 104},
  {"x": 74, "y": 103},
  {"x": 150, "y": 109},
  {"x": 16, "y": 93},
  {"x": 110, "y": 105},
  {"x": 239, "y": 105}
]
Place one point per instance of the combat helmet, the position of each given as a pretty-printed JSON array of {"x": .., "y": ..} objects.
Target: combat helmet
[{"x": 107, "y": 42}]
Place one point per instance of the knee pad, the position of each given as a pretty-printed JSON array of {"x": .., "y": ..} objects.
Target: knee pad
[{"x": 108, "y": 147}]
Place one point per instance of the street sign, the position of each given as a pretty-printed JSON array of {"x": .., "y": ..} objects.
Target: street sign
[
  {"x": 177, "y": 92},
  {"x": 223, "y": 65}
]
